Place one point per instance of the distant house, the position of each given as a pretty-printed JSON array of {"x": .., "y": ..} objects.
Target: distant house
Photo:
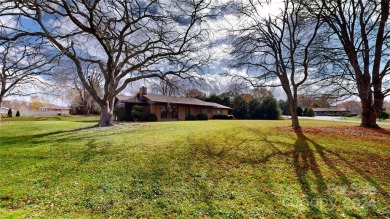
[
  {"x": 168, "y": 107},
  {"x": 25, "y": 109},
  {"x": 3, "y": 110},
  {"x": 332, "y": 111},
  {"x": 52, "y": 110}
]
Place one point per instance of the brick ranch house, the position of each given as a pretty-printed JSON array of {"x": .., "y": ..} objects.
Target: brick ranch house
[
  {"x": 52, "y": 110},
  {"x": 168, "y": 107},
  {"x": 332, "y": 111}
]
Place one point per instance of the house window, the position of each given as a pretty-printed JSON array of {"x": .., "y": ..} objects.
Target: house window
[
  {"x": 164, "y": 112},
  {"x": 169, "y": 111},
  {"x": 174, "y": 112},
  {"x": 216, "y": 112},
  {"x": 187, "y": 111},
  {"x": 203, "y": 110}
]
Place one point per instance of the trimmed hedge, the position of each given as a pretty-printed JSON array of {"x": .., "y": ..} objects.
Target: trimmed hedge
[
  {"x": 299, "y": 111},
  {"x": 191, "y": 117},
  {"x": 384, "y": 115},
  {"x": 119, "y": 113},
  {"x": 202, "y": 116},
  {"x": 138, "y": 112},
  {"x": 223, "y": 117},
  {"x": 149, "y": 118},
  {"x": 310, "y": 113}
]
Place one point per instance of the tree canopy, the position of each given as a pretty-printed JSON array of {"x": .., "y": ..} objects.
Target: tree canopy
[{"x": 124, "y": 41}]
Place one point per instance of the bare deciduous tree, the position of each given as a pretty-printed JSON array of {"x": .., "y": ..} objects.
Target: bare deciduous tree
[
  {"x": 170, "y": 86},
  {"x": 20, "y": 68},
  {"x": 261, "y": 93},
  {"x": 195, "y": 93},
  {"x": 70, "y": 88},
  {"x": 358, "y": 50},
  {"x": 278, "y": 47},
  {"x": 314, "y": 100},
  {"x": 81, "y": 101},
  {"x": 126, "y": 40}
]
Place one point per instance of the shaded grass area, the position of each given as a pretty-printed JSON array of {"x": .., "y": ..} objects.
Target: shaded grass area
[
  {"x": 53, "y": 118},
  {"x": 235, "y": 169}
]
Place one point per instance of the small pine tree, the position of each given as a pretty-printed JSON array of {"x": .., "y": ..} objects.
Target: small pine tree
[
  {"x": 284, "y": 107},
  {"x": 299, "y": 111},
  {"x": 254, "y": 109},
  {"x": 384, "y": 115},
  {"x": 310, "y": 113},
  {"x": 17, "y": 113},
  {"x": 270, "y": 109},
  {"x": 240, "y": 107},
  {"x": 9, "y": 114},
  {"x": 305, "y": 111}
]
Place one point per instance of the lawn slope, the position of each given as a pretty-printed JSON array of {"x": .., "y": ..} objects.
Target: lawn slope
[{"x": 236, "y": 169}]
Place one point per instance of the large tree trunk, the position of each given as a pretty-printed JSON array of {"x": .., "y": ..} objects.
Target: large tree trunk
[
  {"x": 369, "y": 113},
  {"x": 106, "y": 116},
  {"x": 1, "y": 104},
  {"x": 369, "y": 117},
  {"x": 294, "y": 119},
  {"x": 371, "y": 106},
  {"x": 292, "y": 103}
]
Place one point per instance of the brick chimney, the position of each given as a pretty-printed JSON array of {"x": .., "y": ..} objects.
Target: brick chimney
[{"x": 142, "y": 91}]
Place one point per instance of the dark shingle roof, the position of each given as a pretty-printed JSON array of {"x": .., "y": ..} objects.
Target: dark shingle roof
[
  {"x": 170, "y": 99},
  {"x": 329, "y": 110},
  {"x": 127, "y": 99},
  {"x": 182, "y": 100}
]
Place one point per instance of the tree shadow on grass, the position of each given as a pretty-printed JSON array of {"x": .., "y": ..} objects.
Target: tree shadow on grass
[
  {"x": 94, "y": 149},
  {"x": 320, "y": 197},
  {"x": 305, "y": 161},
  {"x": 60, "y": 136},
  {"x": 37, "y": 139},
  {"x": 63, "y": 131},
  {"x": 322, "y": 152},
  {"x": 224, "y": 153}
]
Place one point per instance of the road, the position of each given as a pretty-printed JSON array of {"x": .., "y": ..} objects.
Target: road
[{"x": 339, "y": 119}]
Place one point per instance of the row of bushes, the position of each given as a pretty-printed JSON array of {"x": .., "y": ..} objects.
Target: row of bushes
[
  {"x": 223, "y": 117},
  {"x": 138, "y": 113},
  {"x": 200, "y": 116},
  {"x": 149, "y": 118}
]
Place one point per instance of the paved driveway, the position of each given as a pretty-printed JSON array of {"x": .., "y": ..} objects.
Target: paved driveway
[{"x": 339, "y": 119}]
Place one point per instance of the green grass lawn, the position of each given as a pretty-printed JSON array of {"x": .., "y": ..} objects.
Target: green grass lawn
[{"x": 60, "y": 168}]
